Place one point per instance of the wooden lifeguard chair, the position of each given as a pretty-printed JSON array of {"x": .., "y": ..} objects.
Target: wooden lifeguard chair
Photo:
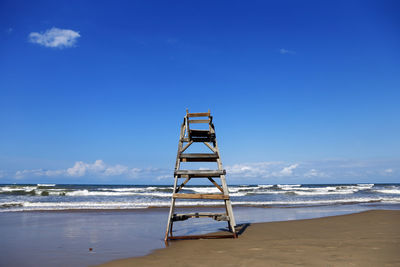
[{"x": 188, "y": 136}]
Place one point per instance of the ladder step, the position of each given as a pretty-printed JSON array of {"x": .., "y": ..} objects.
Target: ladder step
[
  {"x": 200, "y": 173},
  {"x": 204, "y": 114},
  {"x": 199, "y": 139},
  {"x": 215, "y": 216},
  {"x": 199, "y": 157},
  {"x": 200, "y": 133},
  {"x": 201, "y": 136},
  {"x": 200, "y": 196},
  {"x": 199, "y": 121}
]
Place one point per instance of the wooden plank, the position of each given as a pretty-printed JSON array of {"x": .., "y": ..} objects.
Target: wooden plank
[
  {"x": 198, "y": 160},
  {"x": 210, "y": 147},
  {"x": 200, "y": 133},
  {"x": 204, "y": 114},
  {"x": 200, "y": 196},
  {"x": 199, "y": 157},
  {"x": 215, "y": 183},
  {"x": 182, "y": 185},
  {"x": 199, "y": 121},
  {"x": 201, "y": 173},
  {"x": 202, "y": 236},
  {"x": 215, "y": 216},
  {"x": 185, "y": 147}
]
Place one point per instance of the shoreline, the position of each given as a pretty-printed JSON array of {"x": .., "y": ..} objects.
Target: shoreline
[
  {"x": 64, "y": 238},
  {"x": 203, "y": 206},
  {"x": 368, "y": 238}
]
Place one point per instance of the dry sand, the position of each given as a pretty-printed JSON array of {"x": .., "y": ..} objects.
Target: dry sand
[{"x": 369, "y": 238}]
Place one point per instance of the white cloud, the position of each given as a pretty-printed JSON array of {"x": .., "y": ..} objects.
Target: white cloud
[
  {"x": 315, "y": 173},
  {"x": 284, "y": 51},
  {"x": 55, "y": 37},
  {"x": 388, "y": 171},
  {"x": 257, "y": 169},
  {"x": 116, "y": 170},
  {"x": 269, "y": 171},
  {"x": 35, "y": 172},
  {"x": 287, "y": 171},
  {"x": 166, "y": 176},
  {"x": 100, "y": 168},
  {"x": 262, "y": 169},
  {"x": 80, "y": 168}
]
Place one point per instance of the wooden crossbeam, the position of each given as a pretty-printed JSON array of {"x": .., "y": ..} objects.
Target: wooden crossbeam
[
  {"x": 188, "y": 237},
  {"x": 199, "y": 121},
  {"x": 182, "y": 185},
  {"x": 201, "y": 173},
  {"x": 215, "y": 183},
  {"x": 199, "y": 157},
  {"x": 200, "y": 196},
  {"x": 186, "y": 147},
  {"x": 210, "y": 147},
  {"x": 215, "y": 216},
  {"x": 204, "y": 114}
]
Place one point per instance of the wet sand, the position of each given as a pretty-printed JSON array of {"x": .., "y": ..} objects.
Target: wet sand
[{"x": 370, "y": 238}]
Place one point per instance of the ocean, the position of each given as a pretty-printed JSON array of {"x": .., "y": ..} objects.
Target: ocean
[{"x": 55, "y": 197}]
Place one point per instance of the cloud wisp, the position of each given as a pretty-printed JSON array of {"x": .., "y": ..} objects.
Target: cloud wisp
[
  {"x": 80, "y": 169},
  {"x": 284, "y": 51},
  {"x": 321, "y": 171},
  {"x": 55, "y": 38}
]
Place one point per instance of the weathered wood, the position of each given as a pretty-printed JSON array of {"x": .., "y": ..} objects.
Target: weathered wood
[
  {"x": 215, "y": 183},
  {"x": 182, "y": 185},
  {"x": 208, "y": 137},
  {"x": 185, "y": 147},
  {"x": 210, "y": 147},
  {"x": 199, "y": 139},
  {"x": 188, "y": 237},
  {"x": 215, "y": 216},
  {"x": 200, "y": 196},
  {"x": 199, "y": 157},
  {"x": 204, "y": 114},
  {"x": 200, "y": 133},
  {"x": 199, "y": 121},
  {"x": 201, "y": 173}
]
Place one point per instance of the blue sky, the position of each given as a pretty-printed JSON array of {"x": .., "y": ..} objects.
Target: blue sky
[{"x": 301, "y": 91}]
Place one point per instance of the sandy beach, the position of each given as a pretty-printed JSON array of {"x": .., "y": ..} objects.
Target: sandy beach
[{"x": 370, "y": 238}]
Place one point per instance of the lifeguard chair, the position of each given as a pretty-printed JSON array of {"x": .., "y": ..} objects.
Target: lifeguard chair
[{"x": 188, "y": 136}]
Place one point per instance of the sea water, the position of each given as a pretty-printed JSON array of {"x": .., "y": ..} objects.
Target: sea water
[{"x": 48, "y": 197}]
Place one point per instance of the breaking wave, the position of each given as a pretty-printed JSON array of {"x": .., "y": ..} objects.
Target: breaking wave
[{"x": 61, "y": 197}]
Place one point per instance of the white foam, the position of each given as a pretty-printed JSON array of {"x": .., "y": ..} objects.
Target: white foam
[
  {"x": 388, "y": 191},
  {"x": 17, "y": 188},
  {"x": 86, "y": 192},
  {"x": 46, "y": 185},
  {"x": 241, "y": 188},
  {"x": 318, "y": 202},
  {"x": 37, "y": 206},
  {"x": 265, "y": 185},
  {"x": 367, "y": 186},
  {"x": 287, "y": 186},
  {"x": 134, "y": 189}
]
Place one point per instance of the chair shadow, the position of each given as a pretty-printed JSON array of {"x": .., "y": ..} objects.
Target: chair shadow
[{"x": 240, "y": 228}]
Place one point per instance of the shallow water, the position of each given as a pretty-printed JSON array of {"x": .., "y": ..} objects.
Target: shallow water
[{"x": 64, "y": 238}]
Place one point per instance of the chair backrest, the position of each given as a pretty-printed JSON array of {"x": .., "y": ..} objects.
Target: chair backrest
[{"x": 205, "y": 117}]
